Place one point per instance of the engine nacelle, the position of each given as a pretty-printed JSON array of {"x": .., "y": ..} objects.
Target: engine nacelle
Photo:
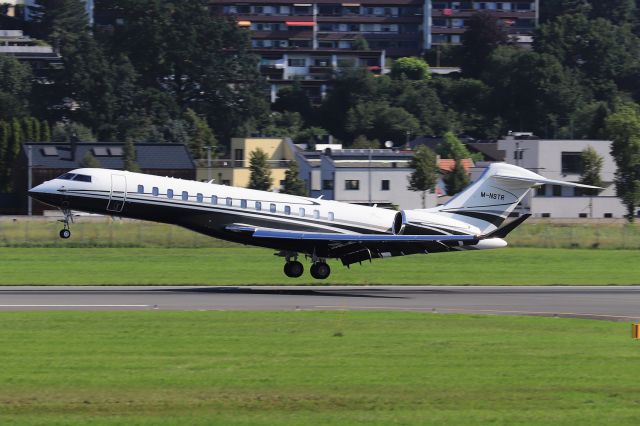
[{"x": 399, "y": 222}]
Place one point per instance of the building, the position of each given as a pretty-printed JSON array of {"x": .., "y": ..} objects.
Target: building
[
  {"x": 310, "y": 41},
  {"x": 448, "y": 19},
  {"x": 20, "y": 8},
  {"x": 39, "y": 162},
  {"x": 560, "y": 160},
  {"x": 235, "y": 171},
  {"x": 39, "y": 55}
]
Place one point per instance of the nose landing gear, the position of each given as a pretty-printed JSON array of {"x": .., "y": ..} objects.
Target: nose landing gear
[{"x": 65, "y": 232}]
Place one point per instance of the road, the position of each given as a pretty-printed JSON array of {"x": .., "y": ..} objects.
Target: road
[{"x": 610, "y": 303}]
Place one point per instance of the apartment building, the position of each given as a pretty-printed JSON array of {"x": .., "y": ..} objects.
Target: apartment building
[{"x": 449, "y": 19}]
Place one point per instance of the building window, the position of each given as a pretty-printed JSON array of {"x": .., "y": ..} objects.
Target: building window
[
  {"x": 185, "y": 196},
  {"x": 297, "y": 62},
  {"x": 199, "y": 197},
  {"x": 557, "y": 191},
  {"x": 272, "y": 208},
  {"x": 582, "y": 215},
  {"x": 571, "y": 162},
  {"x": 546, "y": 214},
  {"x": 243, "y": 204},
  {"x": 352, "y": 185},
  {"x": 214, "y": 199},
  {"x": 229, "y": 201},
  {"x": 541, "y": 191},
  {"x": 140, "y": 189},
  {"x": 169, "y": 193},
  {"x": 330, "y": 216},
  {"x": 258, "y": 206},
  {"x": 316, "y": 214},
  {"x": 287, "y": 210},
  {"x": 608, "y": 215},
  {"x": 385, "y": 185},
  {"x": 226, "y": 182},
  {"x": 155, "y": 191},
  {"x": 327, "y": 184},
  {"x": 301, "y": 212}
]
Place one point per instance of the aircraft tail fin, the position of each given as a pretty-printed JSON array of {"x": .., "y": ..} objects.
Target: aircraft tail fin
[{"x": 488, "y": 202}]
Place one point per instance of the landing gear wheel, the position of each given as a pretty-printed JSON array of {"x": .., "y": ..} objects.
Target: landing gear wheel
[
  {"x": 320, "y": 270},
  {"x": 65, "y": 233},
  {"x": 293, "y": 269}
]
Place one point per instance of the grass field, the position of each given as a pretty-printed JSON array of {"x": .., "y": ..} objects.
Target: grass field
[
  {"x": 128, "y": 233},
  {"x": 239, "y": 266},
  {"x": 314, "y": 368}
]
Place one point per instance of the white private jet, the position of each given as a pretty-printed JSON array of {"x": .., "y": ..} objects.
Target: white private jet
[{"x": 319, "y": 229}]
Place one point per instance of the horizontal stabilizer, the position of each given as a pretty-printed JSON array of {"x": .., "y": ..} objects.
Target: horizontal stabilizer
[
  {"x": 544, "y": 181},
  {"x": 504, "y": 230}
]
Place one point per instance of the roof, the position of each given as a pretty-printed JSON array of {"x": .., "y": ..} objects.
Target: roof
[
  {"x": 489, "y": 150},
  {"x": 148, "y": 155},
  {"x": 447, "y": 165}
]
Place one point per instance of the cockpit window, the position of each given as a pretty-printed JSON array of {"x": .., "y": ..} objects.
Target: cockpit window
[
  {"x": 66, "y": 176},
  {"x": 82, "y": 178}
]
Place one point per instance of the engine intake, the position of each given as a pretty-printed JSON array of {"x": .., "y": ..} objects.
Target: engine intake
[{"x": 399, "y": 222}]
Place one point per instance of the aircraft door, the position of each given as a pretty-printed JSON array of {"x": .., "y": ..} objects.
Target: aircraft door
[{"x": 118, "y": 194}]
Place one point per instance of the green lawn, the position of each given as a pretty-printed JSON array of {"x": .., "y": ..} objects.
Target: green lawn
[
  {"x": 237, "y": 266},
  {"x": 294, "y": 368}
]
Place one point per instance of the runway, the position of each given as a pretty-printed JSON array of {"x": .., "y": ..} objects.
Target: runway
[{"x": 608, "y": 303}]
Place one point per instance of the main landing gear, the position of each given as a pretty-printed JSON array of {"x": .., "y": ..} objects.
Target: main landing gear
[
  {"x": 320, "y": 270},
  {"x": 65, "y": 232}
]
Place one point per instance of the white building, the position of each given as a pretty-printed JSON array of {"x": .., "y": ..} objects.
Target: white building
[
  {"x": 561, "y": 160},
  {"x": 362, "y": 177}
]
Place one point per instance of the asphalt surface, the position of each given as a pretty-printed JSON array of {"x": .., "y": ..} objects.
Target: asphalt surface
[{"x": 608, "y": 303}]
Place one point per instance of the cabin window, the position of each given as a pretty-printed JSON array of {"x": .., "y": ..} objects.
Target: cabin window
[
  {"x": 169, "y": 193},
  {"x": 258, "y": 205},
  {"x": 67, "y": 176},
  {"x": 287, "y": 209},
  {"x": 82, "y": 178},
  {"x": 214, "y": 199},
  {"x": 199, "y": 197},
  {"x": 185, "y": 196},
  {"x": 301, "y": 212},
  {"x": 330, "y": 216},
  {"x": 243, "y": 204},
  {"x": 155, "y": 191},
  {"x": 229, "y": 201},
  {"x": 316, "y": 214},
  {"x": 272, "y": 208},
  {"x": 140, "y": 189}
]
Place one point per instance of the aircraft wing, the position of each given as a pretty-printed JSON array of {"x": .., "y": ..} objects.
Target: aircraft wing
[{"x": 347, "y": 238}]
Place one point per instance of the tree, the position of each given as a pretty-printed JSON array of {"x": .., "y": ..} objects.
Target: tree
[
  {"x": 5, "y": 135},
  {"x": 292, "y": 183},
  {"x": 293, "y": 99},
  {"x": 129, "y": 157},
  {"x": 65, "y": 132},
  {"x": 482, "y": 37},
  {"x": 457, "y": 179},
  {"x": 260, "y": 177},
  {"x": 15, "y": 87},
  {"x": 360, "y": 43},
  {"x": 623, "y": 128},
  {"x": 361, "y": 142},
  {"x": 425, "y": 172},
  {"x": 89, "y": 161},
  {"x": 411, "y": 68},
  {"x": 617, "y": 11},
  {"x": 379, "y": 120},
  {"x": 28, "y": 130},
  {"x": 591, "y": 169},
  {"x": 200, "y": 134},
  {"x": 45, "y": 132},
  {"x": 58, "y": 21},
  {"x": 451, "y": 147}
]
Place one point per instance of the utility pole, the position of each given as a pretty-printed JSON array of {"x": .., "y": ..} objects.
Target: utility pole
[
  {"x": 370, "y": 152},
  {"x": 29, "y": 180},
  {"x": 208, "y": 148}
]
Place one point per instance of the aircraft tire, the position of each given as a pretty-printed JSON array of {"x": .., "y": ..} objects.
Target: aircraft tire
[
  {"x": 293, "y": 269},
  {"x": 65, "y": 233},
  {"x": 320, "y": 271}
]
